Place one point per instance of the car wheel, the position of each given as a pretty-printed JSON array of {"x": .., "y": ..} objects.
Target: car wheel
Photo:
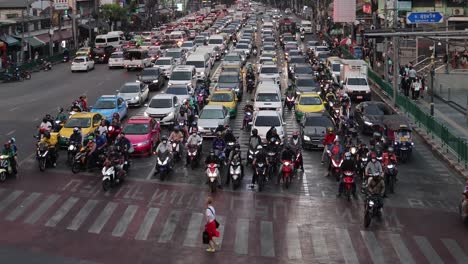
[{"x": 87, "y": 69}]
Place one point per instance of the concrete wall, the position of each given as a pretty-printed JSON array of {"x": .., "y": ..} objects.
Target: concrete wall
[{"x": 452, "y": 86}]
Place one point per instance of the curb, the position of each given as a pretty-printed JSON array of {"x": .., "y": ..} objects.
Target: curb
[{"x": 436, "y": 148}]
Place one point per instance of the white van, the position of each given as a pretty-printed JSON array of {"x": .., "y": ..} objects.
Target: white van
[
  {"x": 179, "y": 36},
  {"x": 217, "y": 41},
  {"x": 136, "y": 59},
  {"x": 202, "y": 63},
  {"x": 306, "y": 25},
  {"x": 184, "y": 75},
  {"x": 268, "y": 97},
  {"x": 267, "y": 26},
  {"x": 108, "y": 40}
]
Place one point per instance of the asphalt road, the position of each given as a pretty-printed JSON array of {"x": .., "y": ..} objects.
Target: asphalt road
[{"x": 58, "y": 217}]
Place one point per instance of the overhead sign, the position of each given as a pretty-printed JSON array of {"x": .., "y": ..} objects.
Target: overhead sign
[
  {"x": 61, "y": 4},
  {"x": 424, "y": 18},
  {"x": 404, "y": 6}
]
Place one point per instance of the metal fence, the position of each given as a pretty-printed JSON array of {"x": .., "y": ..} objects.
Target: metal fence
[{"x": 36, "y": 64}]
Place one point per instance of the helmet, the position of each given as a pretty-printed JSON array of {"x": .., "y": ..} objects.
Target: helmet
[
  {"x": 61, "y": 109},
  {"x": 47, "y": 134},
  {"x": 176, "y": 129},
  {"x": 12, "y": 140},
  {"x": 237, "y": 146},
  {"x": 347, "y": 155},
  {"x": 44, "y": 120},
  {"x": 219, "y": 134},
  {"x": 76, "y": 130},
  {"x": 185, "y": 101},
  {"x": 373, "y": 156},
  {"x": 116, "y": 115},
  {"x": 212, "y": 153},
  {"x": 336, "y": 140},
  {"x": 330, "y": 129},
  {"x": 194, "y": 131},
  {"x": 390, "y": 149},
  {"x": 345, "y": 96},
  {"x": 259, "y": 147},
  {"x": 194, "y": 124},
  {"x": 164, "y": 138},
  {"x": 7, "y": 145},
  {"x": 254, "y": 132},
  {"x": 295, "y": 134},
  {"x": 376, "y": 135}
]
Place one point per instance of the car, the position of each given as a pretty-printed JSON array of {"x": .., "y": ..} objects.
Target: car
[
  {"x": 143, "y": 133},
  {"x": 291, "y": 53},
  {"x": 231, "y": 81},
  {"x": 182, "y": 91},
  {"x": 263, "y": 120},
  {"x": 116, "y": 60},
  {"x": 101, "y": 55},
  {"x": 166, "y": 64},
  {"x": 268, "y": 49},
  {"x": 269, "y": 71},
  {"x": 308, "y": 103},
  {"x": 227, "y": 99},
  {"x": 183, "y": 74},
  {"x": 178, "y": 54},
  {"x": 86, "y": 121},
  {"x": 82, "y": 63},
  {"x": 306, "y": 84},
  {"x": 288, "y": 39},
  {"x": 320, "y": 49},
  {"x": 163, "y": 107},
  {"x": 292, "y": 60},
  {"x": 210, "y": 117},
  {"x": 232, "y": 60},
  {"x": 153, "y": 77},
  {"x": 168, "y": 44},
  {"x": 108, "y": 105},
  {"x": 201, "y": 41},
  {"x": 289, "y": 47},
  {"x": 369, "y": 115},
  {"x": 301, "y": 70},
  {"x": 188, "y": 46},
  {"x": 134, "y": 93},
  {"x": 313, "y": 129},
  {"x": 85, "y": 51},
  {"x": 244, "y": 49}
]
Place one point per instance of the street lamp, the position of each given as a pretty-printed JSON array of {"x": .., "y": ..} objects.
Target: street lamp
[{"x": 432, "y": 75}]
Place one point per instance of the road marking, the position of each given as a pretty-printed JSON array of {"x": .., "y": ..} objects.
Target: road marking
[
  {"x": 11, "y": 132},
  {"x": 82, "y": 215},
  {"x": 193, "y": 230},
  {"x": 10, "y": 199},
  {"x": 346, "y": 246},
  {"x": 401, "y": 250},
  {"x": 60, "y": 214},
  {"x": 241, "y": 241},
  {"x": 373, "y": 246},
  {"x": 427, "y": 250},
  {"x": 319, "y": 244},
  {"x": 292, "y": 239},
  {"x": 267, "y": 248},
  {"x": 170, "y": 226},
  {"x": 151, "y": 173},
  {"x": 13, "y": 108},
  {"x": 456, "y": 251},
  {"x": 103, "y": 218},
  {"x": 305, "y": 183},
  {"x": 28, "y": 158},
  {"x": 23, "y": 206},
  {"x": 125, "y": 220},
  {"x": 222, "y": 223},
  {"x": 34, "y": 216},
  {"x": 148, "y": 221}
]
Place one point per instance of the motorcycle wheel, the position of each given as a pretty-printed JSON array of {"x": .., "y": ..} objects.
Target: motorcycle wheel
[
  {"x": 42, "y": 164},
  {"x": 261, "y": 182},
  {"x": 391, "y": 184},
  {"x": 289, "y": 107},
  {"x": 367, "y": 219},
  {"x": 3, "y": 176},
  {"x": 162, "y": 175},
  {"x": 76, "y": 167},
  {"x": 106, "y": 185},
  {"x": 287, "y": 181},
  {"x": 213, "y": 187},
  {"x": 404, "y": 157},
  {"x": 235, "y": 184},
  {"x": 193, "y": 164}
]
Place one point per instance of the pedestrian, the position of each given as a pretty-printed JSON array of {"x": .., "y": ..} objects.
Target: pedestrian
[
  {"x": 415, "y": 88},
  {"x": 211, "y": 225},
  {"x": 423, "y": 87},
  {"x": 412, "y": 73},
  {"x": 405, "y": 85}
]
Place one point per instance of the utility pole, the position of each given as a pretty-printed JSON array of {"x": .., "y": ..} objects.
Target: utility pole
[
  {"x": 29, "y": 31},
  {"x": 51, "y": 30},
  {"x": 396, "y": 51},
  {"x": 21, "y": 58},
  {"x": 385, "y": 58}
]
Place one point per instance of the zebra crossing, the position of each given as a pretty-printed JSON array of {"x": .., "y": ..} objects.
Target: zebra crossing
[{"x": 239, "y": 236}]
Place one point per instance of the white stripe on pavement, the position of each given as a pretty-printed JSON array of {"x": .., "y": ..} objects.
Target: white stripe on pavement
[
  {"x": 62, "y": 211},
  {"x": 125, "y": 220},
  {"x": 293, "y": 243},
  {"x": 320, "y": 244},
  {"x": 241, "y": 242},
  {"x": 222, "y": 223},
  {"x": 170, "y": 226},
  {"x": 34, "y": 216},
  {"x": 373, "y": 247},
  {"x": 145, "y": 227},
  {"x": 346, "y": 246},
  {"x": 267, "y": 247},
  {"x": 401, "y": 250},
  {"x": 456, "y": 251},
  {"x": 427, "y": 250},
  {"x": 192, "y": 237},
  {"x": 23, "y": 206},
  {"x": 103, "y": 218},
  {"x": 9, "y": 199},
  {"x": 82, "y": 215}
]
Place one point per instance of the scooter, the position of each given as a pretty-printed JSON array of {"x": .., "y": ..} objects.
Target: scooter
[
  {"x": 42, "y": 156},
  {"x": 298, "y": 160},
  {"x": 260, "y": 170},
  {"x": 80, "y": 160},
  {"x": 290, "y": 101},
  {"x": 46, "y": 65},
  {"x": 162, "y": 165},
  {"x": 112, "y": 175},
  {"x": 71, "y": 151},
  {"x": 371, "y": 209},
  {"x": 250, "y": 85},
  {"x": 348, "y": 182},
  {"x": 287, "y": 172},
  {"x": 302, "y": 36},
  {"x": 192, "y": 155},
  {"x": 336, "y": 162},
  {"x": 112, "y": 132},
  {"x": 247, "y": 119},
  {"x": 5, "y": 167},
  {"x": 390, "y": 177},
  {"x": 212, "y": 172},
  {"x": 175, "y": 150},
  {"x": 201, "y": 100},
  {"x": 235, "y": 172}
]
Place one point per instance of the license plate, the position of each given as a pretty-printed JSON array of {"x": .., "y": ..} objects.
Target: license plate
[
  {"x": 359, "y": 97},
  {"x": 403, "y": 139}
]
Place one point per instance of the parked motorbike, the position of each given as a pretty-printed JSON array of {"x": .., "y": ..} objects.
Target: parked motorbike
[
  {"x": 287, "y": 172},
  {"x": 212, "y": 172},
  {"x": 5, "y": 167},
  {"x": 112, "y": 175},
  {"x": 348, "y": 182},
  {"x": 390, "y": 177}
]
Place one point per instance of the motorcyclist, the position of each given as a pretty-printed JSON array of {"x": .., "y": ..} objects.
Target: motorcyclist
[
  {"x": 272, "y": 133},
  {"x": 164, "y": 148},
  {"x": 124, "y": 144},
  {"x": 183, "y": 119},
  {"x": 374, "y": 167},
  {"x": 194, "y": 140},
  {"x": 219, "y": 145},
  {"x": 116, "y": 121},
  {"x": 212, "y": 158},
  {"x": 261, "y": 157},
  {"x": 247, "y": 108},
  {"x": 336, "y": 150},
  {"x": 346, "y": 101},
  {"x": 389, "y": 157},
  {"x": 9, "y": 151},
  {"x": 254, "y": 139},
  {"x": 229, "y": 136},
  {"x": 330, "y": 96},
  {"x": 61, "y": 116},
  {"x": 76, "y": 136},
  {"x": 75, "y": 108},
  {"x": 83, "y": 103},
  {"x": 327, "y": 141},
  {"x": 290, "y": 92},
  {"x": 348, "y": 165},
  {"x": 295, "y": 143},
  {"x": 101, "y": 141},
  {"x": 51, "y": 140},
  {"x": 235, "y": 154},
  {"x": 376, "y": 188},
  {"x": 220, "y": 129},
  {"x": 45, "y": 125},
  {"x": 286, "y": 155},
  {"x": 178, "y": 137}
]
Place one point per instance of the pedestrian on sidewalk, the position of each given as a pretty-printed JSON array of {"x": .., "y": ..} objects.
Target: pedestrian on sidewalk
[
  {"x": 423, "y": 87},
  {"x": 412, "y": 73},
  {"x": 415, "y": 88},
  {"x": 211, "y": 225},
  {"x": 405, "y": 85}
]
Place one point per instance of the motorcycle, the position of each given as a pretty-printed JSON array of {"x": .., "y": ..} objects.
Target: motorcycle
[
  {"x": 336, "y": 162},
  {"x": 235, "y": 172},
  {"x": 229, "y": 148},
  {"x": 112, "y": 132},
  {"x": 371, "y": 209},
  {"x": 302, "y": 36},
  {"x": 247, "y": 119},
  {"x": 175, "y": 150},
  {"x": 18, "y": 75},
  {"x": 66, "y": 58},
  {"x": 463, "y": 207},
  {"x": 163, "y": 165},
  {"x": 220, "y": 154},
  {"x": 272, "y": 160},
  {"x": 212, "y": 172},
  {"x": 112, "y": 175},
  {"x": 286, "y": 172},
  {"x": 254, "y": 52},
  {"x": 71, "y": 151},
  {"x": 81, "y": 159},
  {"x": 42, "y": 155},
  {"x": 201, "y": 100},
  {"x": 290, "y": 101},
  {"x": 260, "y": 171},
  {"x": 46, "y": 66},
  {"x": 298, "y": 160},
  {"x": 5, "y": 167},
  {"x": 250, "y": 85},
  {"x": 390, "y": 177},
  {"x": 252, "y": 153},
  {"x": 348, "y": 182},
  {"x": 192, "y": 153}
]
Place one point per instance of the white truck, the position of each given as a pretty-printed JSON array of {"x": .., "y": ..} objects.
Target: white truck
[{"x": 353, "y": 77}]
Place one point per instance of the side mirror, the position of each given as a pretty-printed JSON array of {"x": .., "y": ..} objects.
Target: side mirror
[
  {"x": 284, "y": 123},
  {"x": 146, "y": 105}
]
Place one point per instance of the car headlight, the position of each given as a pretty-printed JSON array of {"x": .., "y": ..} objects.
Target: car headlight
[
  {"x": 367, "y": 123},
  {"x": 142, "y": 143},
  {"x": 136, "y": 98},
  {"x": 155, "y": 81},
  {"x": 137, "y": 81},
  {"x": 146, "y": 114},
  {"x": 306, "y": 138},
  {"x": 202, "y": 73},
  {"x": 200, "y": 128}
]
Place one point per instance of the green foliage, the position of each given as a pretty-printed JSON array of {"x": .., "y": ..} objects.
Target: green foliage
[{"x": 113, "y": 12}]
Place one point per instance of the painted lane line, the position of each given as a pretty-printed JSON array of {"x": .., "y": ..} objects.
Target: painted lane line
[
  {"x": 102, "y": 219},
  {"x": 148, "y": 221},
  {"x": 193, "y": 230},
  {"x": 11, "y": 132},
  {"x": 428, "y": 250},
  {"x": 62, "y": 212},
  {"x": 82, "y": 215},
  {"x": 40, "y": 211},
  {"x": 373, "y": 246},
  {"x": 124, "y": 221},
  {"x": 241, "y": 242},
  {"x": 346, "y": 246},
  {"x": 293, "y": 243},
  {"x": 401, "y": 250},
  {"x": 10, "y": 199},
  {"x": 23, "y": 206},
  {"x": 456, "y": 251},
  {"x": 267, "y": 248},
  {"x": 170, "y": 226}
]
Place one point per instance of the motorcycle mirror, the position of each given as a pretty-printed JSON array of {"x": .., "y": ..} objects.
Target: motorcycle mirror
[{"x": 146, "y": 105}]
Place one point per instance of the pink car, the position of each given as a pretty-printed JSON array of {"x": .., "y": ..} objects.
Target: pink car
[{"x": 143, "y": 133}]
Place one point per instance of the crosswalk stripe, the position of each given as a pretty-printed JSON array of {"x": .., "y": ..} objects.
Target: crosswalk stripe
[
  {"x": 373, "y": 247},
  {"x": 267, "y": 248},
  {"x": 292, "y": 238},
  {"x": 401, "y": 250},
  {"x": 9, "y": 199},
  {"x": 23, "y": 206},
  {"x": 319, "y": 244},
  {"x": 148, "y": 221},
  {"x": 427, "y": 250},
  {"x": 125, "y": 220},
  {"x": 346, "y": 246},
  {"x": 82, "y": 215},
  {"x": 103, "y": 218},
  {"x": 222, "y": 223},
  {"x": 62, "y": 211},
  {"x": 193, "y": 230},
  {"x": 170, "y": 226},
  {"x": 456, "y": 251},
  {"x": 34, "y": 216},
  {"x": 241, "y": 241}
]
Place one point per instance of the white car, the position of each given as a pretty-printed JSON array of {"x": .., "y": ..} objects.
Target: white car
[
  {"x": 320, "y": 49},
  {"x": 211, "y": 116},
  {"x": 116, "y": 60},
  {"x": 163, "y": 107},
  {"x": 188, "y": 46},
  {"x": 82, "y": 63},
  {"x": 269, "y": 71},
  {"x": 243, "y": 49},
  {"x": 166, "y": 64},
  {"x": 265, "y": 119}
]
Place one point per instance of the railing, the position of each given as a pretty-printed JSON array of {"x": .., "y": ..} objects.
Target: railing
[
  {"x": 417, "y": 59},
  {"x": 36, "y": 64},
  {"x": 421, "y": 62}
]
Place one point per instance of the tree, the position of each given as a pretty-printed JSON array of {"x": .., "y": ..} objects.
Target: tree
[{"x": 113, "y": 13}]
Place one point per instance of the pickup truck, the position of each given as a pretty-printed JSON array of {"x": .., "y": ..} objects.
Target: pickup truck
[{"x": 354, "y": 79}]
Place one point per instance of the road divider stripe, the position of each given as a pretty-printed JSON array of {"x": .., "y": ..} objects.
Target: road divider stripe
[
  {"x": 401, "y": 250},
  {"x": 103, "y": 218},
  {"x": 10, "y": 199},
  {"x": 43, "y": 207},
  {"x": 456, "y": 251},
  {"x": 319, "y": 244},
  {"x": 148, "y": 221},
  {"x": 292, "y": 240},
  {"x": 267, "y": 247},
  {"x": 170, "y": 226},
  {"x": 60, "y": 213},
  {"x": 193, "y": 234},
  {"x": 346, "y": 246},
  {"x": 373, "y": 246},
  {"x": 427, "y": 250},
  {"x": 125, "y": 220},
  {"x": 82, "y": 215},
  {"x": 241, "y": 242}
]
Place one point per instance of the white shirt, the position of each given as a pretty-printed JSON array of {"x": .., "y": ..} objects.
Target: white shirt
[
  {"x": 211, "y": 214},
  {"x": 47, "y": 125},
  {"x": 102, "y": 129}
]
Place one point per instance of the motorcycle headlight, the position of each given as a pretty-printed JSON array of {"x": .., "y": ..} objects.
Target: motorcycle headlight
[
  {"x": 390, "y": 166},
  {"x": 286, "y": 163},
  {"x": 137, "y": 81},
  {"x": 71, "y": 148},
  {"x": 306, "y": 138},
  {"x": 368, "y": 123},
  {"x": 155, "y": 81},
  {"x": 211, "y": 174},
  {"x": 371, "y": 203}
]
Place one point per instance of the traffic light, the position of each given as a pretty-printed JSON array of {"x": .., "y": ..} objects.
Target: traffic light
[{"x": 66, "y": 12}]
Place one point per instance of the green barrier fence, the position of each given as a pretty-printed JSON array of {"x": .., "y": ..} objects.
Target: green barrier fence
[{"x": 35, "y": 65}]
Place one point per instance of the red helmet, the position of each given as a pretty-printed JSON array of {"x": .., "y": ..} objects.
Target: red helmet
[
  {"x": 116, "y": 115},
  {"x": 373, "y": 156}
]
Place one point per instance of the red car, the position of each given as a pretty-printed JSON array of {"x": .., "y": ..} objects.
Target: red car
[{"x": 143, "y": 133}]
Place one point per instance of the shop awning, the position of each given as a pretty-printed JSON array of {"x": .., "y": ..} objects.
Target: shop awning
[
  {"x": 65, "y": 34},
  {"x": 34, "y": 42},
  {"x": 10, "y": 41},
  {"x": 43, "y": 37}
]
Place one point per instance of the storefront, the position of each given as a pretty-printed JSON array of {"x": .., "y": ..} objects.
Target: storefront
[{"x": 9, "y": 49}]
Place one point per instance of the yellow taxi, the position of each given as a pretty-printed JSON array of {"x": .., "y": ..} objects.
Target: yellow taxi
[
  {"x": 85, "y": 51},
  {"x": 308, "y": 103},
  {"x": 88, "y": 122},
  {"x": 225, "y": 98}
]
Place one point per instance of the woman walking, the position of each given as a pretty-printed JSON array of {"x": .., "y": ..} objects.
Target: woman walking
[{"x": 210, "y": 227}]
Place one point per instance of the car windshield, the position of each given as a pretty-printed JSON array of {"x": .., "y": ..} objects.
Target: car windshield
[
  {"x": 269, "y": 70},
  {"x": 242, "y": 46},
  {"x": 149, "y": 72},
  {"x": 160, "y": 103},
  {"x": 319, "y": 121},
  {"x": 117, "y": 56},
  {"x": 222, "y": 97},
  {"x": 215, "y": 41},
  {"x": 286, "y": 39},
  {"x": 306, "y": 82},
  {"x": 163, "y": 62},
  {"x": 181, "y": 76},
  {"x": 133, "y": 55},
  {"x": 267, "y": 97},
  {"x": 197, "y": 64},
  {"x": 232, "y": 58},
  {"x": 130, "y": 88},
  {"x": 269, "y": 48},
  {"x": 267, "y": 121},
  {"x": 79, "y": 60},
  {"x": 228, "y": 79},
  {"x": 136, "y": 129},
  {"x": 321, "y": 49},
  {"x": 297, "y": 60},
  {"x": 78, "y": 122},
  {"x": 357, "y": 81},
  {"x": 177, "y": 90},
  {"x": 104, "y": 104},
  {"x": 212, "y": 114},
  {"x": 373, "y": 110},
  {"x": 310, "y": 101},
  {"x": 187, "y": 45},
  {"x": 174, "y": 54},
  {"x": 303, "y": 70},
  {"x": 336, "y": 67}
]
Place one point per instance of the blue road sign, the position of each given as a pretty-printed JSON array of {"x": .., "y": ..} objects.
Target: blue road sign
[{"x": 424, "y": 17}]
